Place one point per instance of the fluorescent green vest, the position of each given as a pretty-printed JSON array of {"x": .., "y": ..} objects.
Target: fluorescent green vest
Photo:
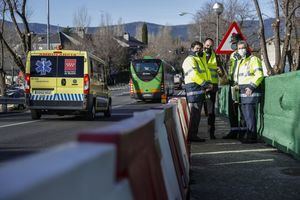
[
  {"x": 195, "y": 70},
  {"x": 212, "y": 66},
  {"x": 248, "y": 71}
]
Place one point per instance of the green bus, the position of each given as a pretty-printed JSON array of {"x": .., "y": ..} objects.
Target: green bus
[{"x": 151, "y": 79}]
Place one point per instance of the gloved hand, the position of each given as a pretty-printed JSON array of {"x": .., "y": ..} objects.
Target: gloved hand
[
  {"x": 209, "y": 88},
  {"x": 237, "y": 56},
  {"x": 248, "y": 91},
  {"x": 236, "y": 87},
  {"x": 220, "y": 71}
]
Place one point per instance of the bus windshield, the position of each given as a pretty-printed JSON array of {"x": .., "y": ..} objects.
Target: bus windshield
[{"x": 146, "y": 69}]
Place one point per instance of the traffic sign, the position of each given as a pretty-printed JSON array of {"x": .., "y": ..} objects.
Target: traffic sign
[{"x": 225, "y": 45}]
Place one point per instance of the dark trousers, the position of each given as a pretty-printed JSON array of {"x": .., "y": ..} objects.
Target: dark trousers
[
  {"x": 210, "y": 103},
  {"x": 195, "y": 109},
  {"x": 249, "y": 113},
  {"x": 233, "y": 112}
]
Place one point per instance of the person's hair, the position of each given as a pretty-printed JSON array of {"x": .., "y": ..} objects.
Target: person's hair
[
  {"x": 208, "y": 38},
  {"x": 243, "y": 42},
  {"x": 196, "y": 43}
]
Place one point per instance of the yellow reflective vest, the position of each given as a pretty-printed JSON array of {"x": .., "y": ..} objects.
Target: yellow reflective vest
[
  {"x": 196, "y": 70},
  {"x": 248, "y": 71},
  {"x": 212, "y": 66},
  {"x": 231, "y": 66}
]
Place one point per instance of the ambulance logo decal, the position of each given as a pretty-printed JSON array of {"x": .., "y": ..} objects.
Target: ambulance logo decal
[{"x": 43, "y": 66}]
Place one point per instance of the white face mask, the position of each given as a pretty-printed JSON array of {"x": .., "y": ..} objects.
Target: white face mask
[{"x": 242, "y": 52}]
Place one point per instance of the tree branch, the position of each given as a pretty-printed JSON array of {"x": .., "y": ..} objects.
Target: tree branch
[
  {"x": 263, "y": 40},
  {"x": 16, "y": 58},
  {"x": 292, "y": 12}
]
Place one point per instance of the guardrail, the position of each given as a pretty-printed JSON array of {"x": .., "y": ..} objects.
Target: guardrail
[{"x": 7, "y": 100}]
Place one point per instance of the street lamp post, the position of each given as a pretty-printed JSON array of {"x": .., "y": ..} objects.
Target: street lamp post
[
  {"x": 200, "y": 31},
  {"x": 218, "y": 8},
  {"x": 48, "y": 25}
]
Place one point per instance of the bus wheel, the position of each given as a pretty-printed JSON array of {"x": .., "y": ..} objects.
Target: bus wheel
[
  {"x": 91, "y": 114},
  {"x": 107, "y": 113},
  {"x": 35, "y": 114}
]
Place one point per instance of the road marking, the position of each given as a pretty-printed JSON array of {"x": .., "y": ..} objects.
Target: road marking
[
  {"x": 246, "y": 161},
  {"x": 117, "y": 106},
  {"x": 16, "y": 124},
  {"x": 228, "y": 143},
  {"x": 235, "y": 151}
]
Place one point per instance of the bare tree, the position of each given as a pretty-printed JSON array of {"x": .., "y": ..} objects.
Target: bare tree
[
  {"x": 263, "y": 39},
  {"x": 17, "y": 9},
  {"x": 81, "y": 19},
  {"x": 84, "y": 41},
  {"x": 276, "y": 31},
  {"x": 106, "y": 45},
  {"x": 289, "y": 7},
  {"x": 165, "y": 47},
  {"x": 2, "y": 72},
  {"x": 234, "y": 10}
]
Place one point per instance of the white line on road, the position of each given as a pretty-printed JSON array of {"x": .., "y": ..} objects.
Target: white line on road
[
  {"x": 118, "y": 106},
  {"x": 246, "y": 161},
  {"x": 228, "y": 143},
  {"x": 235, "y": 151},
  {"x": 16, "y": 124}
]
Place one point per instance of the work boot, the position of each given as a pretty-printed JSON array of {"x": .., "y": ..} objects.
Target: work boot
[
  {"x": 196, "y": 139},
  {"x": 231, "y": 135},
  {"x": 250, "y": 139},
  {"x": 241, "y": 134}
]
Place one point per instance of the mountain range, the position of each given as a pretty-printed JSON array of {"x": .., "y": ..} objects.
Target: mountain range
[{"x": 178, "y": 31}]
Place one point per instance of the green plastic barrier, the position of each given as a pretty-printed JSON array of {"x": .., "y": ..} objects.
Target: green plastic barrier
[
  {"x": 223, "y": 98},
  {"x": 280, "y": 120},
  {"x": 278, "y": 114}
]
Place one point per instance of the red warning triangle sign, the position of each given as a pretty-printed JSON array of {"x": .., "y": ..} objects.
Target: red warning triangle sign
[{"x": 225, "y": 45}]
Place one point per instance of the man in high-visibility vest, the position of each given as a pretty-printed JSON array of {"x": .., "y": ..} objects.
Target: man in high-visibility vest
[
  {"x": 214, "y": 66},
  {"x": 247, "y": 77},
  {"x": 236, "y": 122},
  {"x": 197, "y": 80}
]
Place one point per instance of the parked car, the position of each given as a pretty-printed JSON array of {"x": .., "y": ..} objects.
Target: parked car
[{"x": 16, "y": 91}]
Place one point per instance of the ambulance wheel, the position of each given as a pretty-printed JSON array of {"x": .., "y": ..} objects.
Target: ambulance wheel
[
  {"x": 35, "y": 114},
  {"x": 91, "y": 115},
  {"x": 107, "y": 113}
]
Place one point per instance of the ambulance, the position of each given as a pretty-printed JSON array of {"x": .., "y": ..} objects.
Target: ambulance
[{"x": 66, "y": 82}]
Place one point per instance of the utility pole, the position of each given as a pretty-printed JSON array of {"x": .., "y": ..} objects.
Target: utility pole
[{"x": 48, "y": 25}]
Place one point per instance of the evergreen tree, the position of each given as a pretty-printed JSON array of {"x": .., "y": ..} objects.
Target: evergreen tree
[{"x": 145, "y": 33}]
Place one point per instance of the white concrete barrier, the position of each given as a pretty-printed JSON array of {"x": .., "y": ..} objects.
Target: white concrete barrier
[
  {"x": 88, "y": 170},
  {"x": 72, "y": 171},
  {"x": 182, "y": 143},
  {"x": 167, "y": 165}
]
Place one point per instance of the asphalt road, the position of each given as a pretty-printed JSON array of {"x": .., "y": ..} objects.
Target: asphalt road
[{"x": 19, "y": 135}]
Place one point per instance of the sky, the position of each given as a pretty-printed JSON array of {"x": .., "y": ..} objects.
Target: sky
[{"x": 164, "y": 12}]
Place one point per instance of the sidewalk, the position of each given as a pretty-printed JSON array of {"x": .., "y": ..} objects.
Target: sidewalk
[{"x": 227, "y": 169}]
